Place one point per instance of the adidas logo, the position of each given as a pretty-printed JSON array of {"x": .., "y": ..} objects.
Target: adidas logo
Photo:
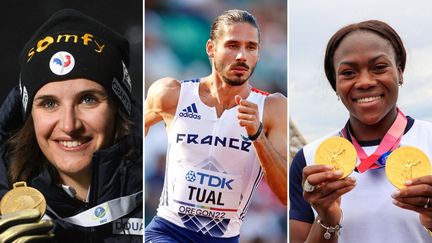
[{"x": 190, "y": 112}]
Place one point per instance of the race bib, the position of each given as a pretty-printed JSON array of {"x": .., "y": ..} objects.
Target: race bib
[{"x": 206, "y": 193}]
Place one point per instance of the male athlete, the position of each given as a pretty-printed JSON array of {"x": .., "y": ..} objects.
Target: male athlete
[{"x": 223, "y": 136}]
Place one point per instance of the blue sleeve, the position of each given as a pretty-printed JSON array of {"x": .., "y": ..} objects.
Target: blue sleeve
[{"x": 299, "y": 208}]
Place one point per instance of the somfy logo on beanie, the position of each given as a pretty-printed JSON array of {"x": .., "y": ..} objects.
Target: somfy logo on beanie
[
  {"x": 87, "y": 40},
  {"x": 62, "y": 63}
]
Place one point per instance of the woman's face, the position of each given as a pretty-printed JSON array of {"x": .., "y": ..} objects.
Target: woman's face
[
  {"x": 72, "y": 120},
  {"x": 367, "y": 76}
]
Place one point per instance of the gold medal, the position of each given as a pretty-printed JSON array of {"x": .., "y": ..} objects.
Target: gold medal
[
  {"x": 22, "y": 197},
  {"x": 339, "y": 152},
  {"x": 405, "y": 163}
]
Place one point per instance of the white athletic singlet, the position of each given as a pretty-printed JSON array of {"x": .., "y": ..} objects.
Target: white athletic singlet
[
  {"x": 369, "y": 215},
  {"x": 211, "y": 169}
]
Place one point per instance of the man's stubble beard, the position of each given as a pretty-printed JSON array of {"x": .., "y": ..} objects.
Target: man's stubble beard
[{"x": 239, "y": 80}]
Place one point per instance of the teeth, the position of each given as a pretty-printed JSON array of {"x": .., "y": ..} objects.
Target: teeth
[
  {"x": 70, "y": 144},
  {"x": 368, "y": 99}
]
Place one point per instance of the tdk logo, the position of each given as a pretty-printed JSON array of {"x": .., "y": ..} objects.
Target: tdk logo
[
  {"x": 209, "y": 180},
  {"x": 190, "y": 176},
  {"x": 190, "y": 112}
]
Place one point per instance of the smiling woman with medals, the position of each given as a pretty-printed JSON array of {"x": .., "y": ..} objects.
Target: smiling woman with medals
[{"x": 364, "y": 64}]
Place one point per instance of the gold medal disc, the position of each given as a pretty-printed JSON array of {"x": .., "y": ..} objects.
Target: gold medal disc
[
  {"x": 339, "y": 152},
  {"x": 405, "y": 163},
  {"x": 22, "y": 197}
]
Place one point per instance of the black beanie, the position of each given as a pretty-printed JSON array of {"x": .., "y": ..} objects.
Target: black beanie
[{"x": 72, "y": 45}]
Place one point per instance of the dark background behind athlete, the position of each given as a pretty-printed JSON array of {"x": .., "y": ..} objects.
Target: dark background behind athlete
[{"x": 19, "y": 19}]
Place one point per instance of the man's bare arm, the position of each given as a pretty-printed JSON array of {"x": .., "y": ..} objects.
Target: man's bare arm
[
  {"x": 271, "y": 147},
  {"x": 161, "y": 102}
]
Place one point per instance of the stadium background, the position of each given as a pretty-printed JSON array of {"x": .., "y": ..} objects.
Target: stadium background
[
  {"x": 172, "y": 27},
  {"x": 175, "y": 36}
]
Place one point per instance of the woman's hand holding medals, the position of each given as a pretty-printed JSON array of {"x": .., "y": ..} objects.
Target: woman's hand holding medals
[
  {"x": 409, "y": 170},
  {"x": 325, "y": 182},
  {"x": 21, "y": 211}
]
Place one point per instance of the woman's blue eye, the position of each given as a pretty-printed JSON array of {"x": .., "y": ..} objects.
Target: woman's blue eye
[
  {"x": 88, "y": 100},
  {"x": 49, "y": 104}
]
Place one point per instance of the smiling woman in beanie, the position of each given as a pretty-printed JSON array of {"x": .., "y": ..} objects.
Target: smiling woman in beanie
[{"x": 80, "y": 141}]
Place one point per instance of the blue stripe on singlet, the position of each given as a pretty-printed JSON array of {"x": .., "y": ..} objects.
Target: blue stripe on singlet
[
  {"x": 257, "y": 180},
  {"x": 190, "y": 80},
  {"x": 164, "y": 196}
]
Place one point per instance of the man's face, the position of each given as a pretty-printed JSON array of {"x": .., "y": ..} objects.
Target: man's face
[{"x": 235, "y": 52}]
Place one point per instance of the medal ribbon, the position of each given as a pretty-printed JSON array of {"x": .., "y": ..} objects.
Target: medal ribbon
[
  {"x": 388, "y": 143},
  {"x": 105, "y": 212}
]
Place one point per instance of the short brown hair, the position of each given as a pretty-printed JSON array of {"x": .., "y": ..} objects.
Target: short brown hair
[{"x": 231, "y": 17}]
